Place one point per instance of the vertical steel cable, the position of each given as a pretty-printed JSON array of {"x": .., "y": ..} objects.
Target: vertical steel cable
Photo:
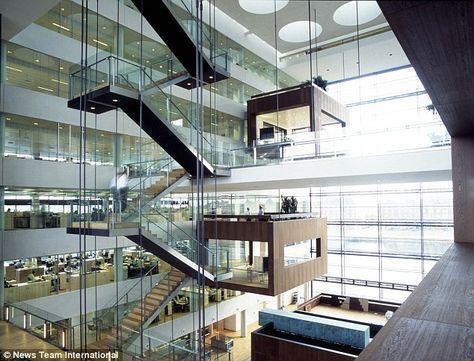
[
  {"x": 140, "y": 87},
  {"x": 117, "y": 325},
  {"x": 82, "y": 183},
  {"x": 310, "y": 44},
  {"x": 95, "y": 166},
  {"x": 277, "y": 82},
  {"x": 199, "y": 177}
]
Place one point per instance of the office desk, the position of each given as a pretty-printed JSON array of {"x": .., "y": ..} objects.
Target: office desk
[
  {"x": 22, "y": 273},
  {"x": 191, "y": 294},
  {"x": 27, "y": 290},
  {"x": 71, "y": 281}
]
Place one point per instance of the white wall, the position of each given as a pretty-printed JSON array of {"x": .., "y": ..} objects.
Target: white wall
[
  {"x": 19, "y": 172},
  {"x": 50, "y": 241},
  {"x": 416, "y": 166}
]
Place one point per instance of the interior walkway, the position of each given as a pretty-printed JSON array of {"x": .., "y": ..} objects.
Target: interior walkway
[
  {"x": 14, "y": 339},
  {"x": 438, "y": 313}
]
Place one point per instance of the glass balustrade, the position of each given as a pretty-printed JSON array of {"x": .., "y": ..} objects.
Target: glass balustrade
[
  {"x": 313, "y": 146},
  {"x": 186, "y": 13},
  {"x": 119, "y": 72}
]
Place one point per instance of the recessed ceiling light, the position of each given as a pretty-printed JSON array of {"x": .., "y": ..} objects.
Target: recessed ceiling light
[
  {"x": 37, "y": 60},
  {"x": 153, "y": 49},
  {"x": 297, "y": 31},
  {"x": 61, "y": 68},
  {"x": 100, "y": 42},
  {"x": 262, "y": 6},
  {"x": 356, "y": 12},
  {"x": 59, "y": 81},
  {"x": 104, "y": 28},
  {"x": 14, "y": 69},
  {"x": 47, "y": 89},
  {"x": 60, "y": 26},
  {"x": 35, "y": 123},
  {"x": 62, "y": 9},
  {"x": 189, "y": 84},
  {"x": 9, "y": 118},
  {"x": 115, "y": 100},
  {"x": 9, "y": 52},
  {"x": 93, "y": 108},
  {"x": 211, "y": 77}
]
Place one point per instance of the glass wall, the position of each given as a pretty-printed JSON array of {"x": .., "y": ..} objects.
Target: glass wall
[
  {"x": 386, "y": 233},
  {"x": 379, "y": 233},
  {"x": 40, "y": 139},
  {"x": 385, "y": 100}
]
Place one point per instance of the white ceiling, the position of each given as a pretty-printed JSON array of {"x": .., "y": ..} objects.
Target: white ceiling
[
  {"x": 18, "y": 14},
  {"x": 265, "y": 26}
]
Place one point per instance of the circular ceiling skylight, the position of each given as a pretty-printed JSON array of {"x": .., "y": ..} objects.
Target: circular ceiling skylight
[
  {"x": 347, "y": 14},
  {"x": 262, "y": 6},
  {"x": 298, "y": 31}
]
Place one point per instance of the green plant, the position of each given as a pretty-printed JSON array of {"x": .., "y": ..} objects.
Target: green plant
[
  {"x": 431, "y": 107},
  {"x": 320, "y": 82},
  {"x": 289, "y": 205}
]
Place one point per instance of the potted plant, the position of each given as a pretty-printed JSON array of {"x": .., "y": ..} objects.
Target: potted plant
[
  {"x": 289, "y": 205},
  {"x": 431, "y": 107},
  {"x": 320, "y": 82}
]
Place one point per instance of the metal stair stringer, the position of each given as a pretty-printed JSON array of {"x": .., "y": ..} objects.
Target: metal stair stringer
[
  {"x": 171, "y": 256},
  {"x": 184, "y": 283}
]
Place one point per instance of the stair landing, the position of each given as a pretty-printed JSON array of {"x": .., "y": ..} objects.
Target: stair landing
[{"x": 105, "y": 229}]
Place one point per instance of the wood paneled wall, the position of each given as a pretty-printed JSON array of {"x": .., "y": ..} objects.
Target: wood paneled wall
[
  {"x": 436, "y": 322},
  {"x": 288, "y": 277},
  {"x": 324, "y": 102},
  {"x": 462, "y": 153},
  {"x": 306, "y": 95},
  {"x": 239, "y": 230},
  {"x": 291, "y": 99},
  {"x": 277, "y": 234},
  {"x": 270, "y": 348}
]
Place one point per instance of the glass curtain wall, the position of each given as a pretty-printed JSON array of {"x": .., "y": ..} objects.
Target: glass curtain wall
[
  {"x": 380, "y": 234},
  {"x": 40, "y": 139},
  {"x": 383, "y": 233}
]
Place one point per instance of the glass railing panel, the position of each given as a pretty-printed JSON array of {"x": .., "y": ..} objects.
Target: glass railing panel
[
  {"x": 314, "y": 146},
  {"x": 144, "y": 190},
  {"x": 119, "y": 72},
  {"x": 166, "y": 109},
  {"x": 182, "y": 239},
  {"x": 56, "y": 333},
  {"x": 185, "y": 12},
  {"x": 124, "y": 73}
]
